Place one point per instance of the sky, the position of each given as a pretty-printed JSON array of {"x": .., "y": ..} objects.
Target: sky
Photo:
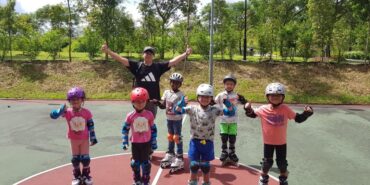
[{"x": 27, "y": 6}]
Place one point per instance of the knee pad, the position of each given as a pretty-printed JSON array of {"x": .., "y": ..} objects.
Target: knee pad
[
  {"x": 266, "y": 164},
  {"x": 135, "y": 165},
  {"x": 170, "y": 137},
  {"x": 146, "y": 166},
  {"x": 85, "y": 160},
  {"x": 75, "y": 160},
  {"x": 205, "y": 167},
  {"x": 177, "y": 138},
  {"x": 282, "y": 165},
  {"x": 224, "y": 138},
  {"x": 194, "y": 166}
]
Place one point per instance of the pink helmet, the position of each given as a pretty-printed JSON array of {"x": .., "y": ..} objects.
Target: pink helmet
[
  {"x": 76, "y": 92},
  {"x": 139, "y": 93}
]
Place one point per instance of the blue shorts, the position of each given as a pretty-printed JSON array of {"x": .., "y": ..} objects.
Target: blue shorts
[{"x": 199, "y": 151}]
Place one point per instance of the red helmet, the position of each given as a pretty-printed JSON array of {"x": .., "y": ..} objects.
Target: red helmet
[{"x": 139, "y": 93}]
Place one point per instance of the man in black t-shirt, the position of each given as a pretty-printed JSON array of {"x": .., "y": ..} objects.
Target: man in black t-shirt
[{"x": 148, "y": 73}]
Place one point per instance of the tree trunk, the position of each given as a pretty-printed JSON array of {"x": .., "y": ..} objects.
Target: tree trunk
[
  {"x": 106, "y": 54},
  {"x": 10, "y": 45},
  {"x": 162, "y": 42},
  {"x": 367, "y": 41},
  {"x": 70, "y": 31}
]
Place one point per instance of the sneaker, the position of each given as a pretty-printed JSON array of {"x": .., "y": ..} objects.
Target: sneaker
[{"x": 76, "y": 181}]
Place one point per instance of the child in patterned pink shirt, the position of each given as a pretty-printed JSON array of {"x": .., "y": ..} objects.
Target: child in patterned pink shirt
[
  {"x": 143, "y": 136},
  {"x": 274, "y": 121},
  {"x": 80, "y": 130}
]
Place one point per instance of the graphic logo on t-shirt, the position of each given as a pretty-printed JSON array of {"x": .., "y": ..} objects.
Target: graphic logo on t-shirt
[
  {"x": 275, "y": 120},
  {"x": 149, "y": 78},
  {"x": 141, "y": 124},
  {"x": 78, "y": 124}
]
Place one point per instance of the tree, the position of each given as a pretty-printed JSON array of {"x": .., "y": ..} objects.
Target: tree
[
  {"x": 360, "y": 9},
  {"x": 69, "y": 30},
  {"x": 28, "y": 36},
  {"x": 322, "y": 22},
  {"x": 90, "y": 42},
  {"x": 55, "y": 15},
  {"x": 305, "y": 40},
  {"x": 53, "y": 41},
  {"x": 7, "y": 22},
  {"x": 30, "y": 44},
  {"x": 101, "y": 17},
  {"x": 3, "y": 45},
  {"x": 123, "y": 30},
  {"x": 168, "y": 12}
]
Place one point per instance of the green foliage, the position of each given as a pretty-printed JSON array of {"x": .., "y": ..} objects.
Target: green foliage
[
  {"x": 3, "y": 45},
  {"x": 305, "y": 42},
  {"x": 322, "y": 21},
  {"x": 55, "y": 15},
  {"x": 200, "y": 42},
  {"x": 355, "y": 55},
  {"x": 53, "y": 41},
  {"x": 30, "y": 44},
  {"x": 90, "y": 42}
]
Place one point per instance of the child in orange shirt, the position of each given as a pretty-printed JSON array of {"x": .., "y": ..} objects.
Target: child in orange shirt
[{"x": 274, "y": 121}]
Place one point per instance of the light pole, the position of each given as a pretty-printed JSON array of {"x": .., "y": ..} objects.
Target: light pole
[{"x": 211, "y": 47}]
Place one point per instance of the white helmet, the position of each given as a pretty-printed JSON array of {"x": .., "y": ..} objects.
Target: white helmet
[
  {"x": 275, "y": 88},
  {"x": 176, "y": 77},
  {"x": 205, "y": 90}
]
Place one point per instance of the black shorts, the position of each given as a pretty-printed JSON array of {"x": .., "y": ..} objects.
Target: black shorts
[
  {"x": 268, "y": 151},
  {"x": 141, "y": 151}
]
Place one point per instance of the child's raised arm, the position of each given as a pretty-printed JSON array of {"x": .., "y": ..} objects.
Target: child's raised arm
[
  {"x": 242, "y": 99},
  {"x": 308, "y": 111},
  {"x": 249, "y": 111},
  {"x": 54, "y": 114},
  {"x": 179, "y": 109}
]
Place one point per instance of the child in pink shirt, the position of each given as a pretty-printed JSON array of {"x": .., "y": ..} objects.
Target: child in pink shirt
[
  {"x": 143, "y": 136},
  {"x": 80, "y": 130},
  {"x": 274, "y": 121}
]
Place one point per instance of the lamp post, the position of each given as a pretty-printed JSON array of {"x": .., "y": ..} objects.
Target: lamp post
[{"x": 211, "y": 47}]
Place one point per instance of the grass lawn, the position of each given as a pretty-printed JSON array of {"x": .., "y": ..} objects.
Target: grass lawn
[{"x": 318, "y": 83}]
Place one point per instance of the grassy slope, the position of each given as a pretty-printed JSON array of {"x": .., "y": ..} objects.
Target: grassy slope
[{"x": 323, "y": 83}]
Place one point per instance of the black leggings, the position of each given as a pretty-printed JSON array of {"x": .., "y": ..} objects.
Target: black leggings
[{"x": 268, "y": 151}]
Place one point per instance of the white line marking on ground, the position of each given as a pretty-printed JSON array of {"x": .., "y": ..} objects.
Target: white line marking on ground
[
  {"x": 112, "y": 155},
  {"x": 156, "y": 178},
  {"x": 61, "y": 166}
]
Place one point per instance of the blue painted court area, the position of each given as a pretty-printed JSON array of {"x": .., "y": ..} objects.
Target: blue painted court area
[{"x": 332, "y": 147}]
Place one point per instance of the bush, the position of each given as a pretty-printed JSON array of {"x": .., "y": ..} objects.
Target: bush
[
  {"x": 90, "y": 42},
  {"x": 3, "y": 44},
  {"x": 355, "y": 55},
  {"x": 30, "y": 45},
  {"x": 53, "y": 42}
]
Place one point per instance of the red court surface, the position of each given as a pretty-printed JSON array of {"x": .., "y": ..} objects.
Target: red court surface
[{"x": 115, "y": 170}]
